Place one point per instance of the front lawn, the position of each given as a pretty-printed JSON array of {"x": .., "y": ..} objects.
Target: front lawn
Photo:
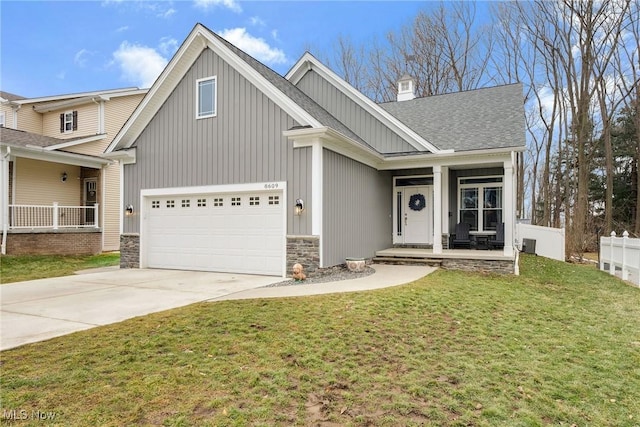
[
  {"x": 559, "y": 345},
  {"x": 31, "y": 267}
]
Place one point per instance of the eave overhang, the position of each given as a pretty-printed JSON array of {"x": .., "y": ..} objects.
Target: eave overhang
[
  {"x": 126, "y": 156},
  {"x": 335, "y": 141},
  {"x": 40, "y": 153}
]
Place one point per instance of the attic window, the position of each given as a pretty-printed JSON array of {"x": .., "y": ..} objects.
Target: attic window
[
  {"x": 405, "y": 86},
  {"x": 206, "y": 97},
  {"x": 68, "y": 121}
]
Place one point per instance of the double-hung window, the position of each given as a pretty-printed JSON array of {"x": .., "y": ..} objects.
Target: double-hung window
[
  {"x": 481, "y": 203},
  {"x": 68, "y": 121},
  {"x": 206, "y": 97}
]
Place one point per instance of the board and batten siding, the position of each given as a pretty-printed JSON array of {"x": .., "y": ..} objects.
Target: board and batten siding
[
  {"x": 244, "y": 143},
  {"x": 352, "y": 115},
  {"x": 357, "y": 209},
  {"x": 301, "y": 184}
]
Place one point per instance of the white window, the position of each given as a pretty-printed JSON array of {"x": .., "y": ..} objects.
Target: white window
[
  {"x": 206, "y": 97},
  {"x": 480, "y": 203},
  {"x": 2, "y": 119},
  {"x": 68, "y": 121}
]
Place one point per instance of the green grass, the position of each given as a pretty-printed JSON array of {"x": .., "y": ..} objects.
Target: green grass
[
  {"x": 558, "y": 345},
  {"x": 30, "y": 267}
]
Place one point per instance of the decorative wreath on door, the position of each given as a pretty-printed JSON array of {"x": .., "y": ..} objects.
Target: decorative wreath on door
[{"x": 417, "y": 202}]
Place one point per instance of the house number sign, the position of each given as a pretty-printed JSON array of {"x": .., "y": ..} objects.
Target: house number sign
[{"x": 271, "y": 186}]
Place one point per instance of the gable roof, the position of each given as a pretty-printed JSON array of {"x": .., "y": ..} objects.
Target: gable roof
[
  {"x": 308, "y": 61},
  {"x": 439, "y": 125},
  {"x": 465, "y": 121},
  {"x": 305, "y": 111}
]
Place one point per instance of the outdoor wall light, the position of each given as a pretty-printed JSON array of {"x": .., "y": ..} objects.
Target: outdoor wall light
[
  {"x": 64, "y": 177},
  {"x": 129, "y": 210},
  {"x": 299, "y": 206}
]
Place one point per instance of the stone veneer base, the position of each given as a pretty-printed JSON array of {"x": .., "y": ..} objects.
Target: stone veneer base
[
  {"x": 304, "y": 250},
  {"x": 479, "y": 265},
  {"x": 130, "y": 250}
]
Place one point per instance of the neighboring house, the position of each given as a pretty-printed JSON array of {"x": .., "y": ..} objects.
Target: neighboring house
[
  {"x": 58, "y": 195},
  {"x": 229, "y": 166}
]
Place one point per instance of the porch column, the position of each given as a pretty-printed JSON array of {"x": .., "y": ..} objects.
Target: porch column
[
  {"x": 445, "y": 200},
  {"x": 508, "y": 208},
  {"x": 437, "y": 209},
  {"x": 4, "y": 196}
]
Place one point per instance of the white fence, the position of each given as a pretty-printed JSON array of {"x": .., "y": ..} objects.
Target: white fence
[
  {"x": 549, "y": 241},
  {"x": 621, "y": 255},
  {"x": 52, "y": 216}
]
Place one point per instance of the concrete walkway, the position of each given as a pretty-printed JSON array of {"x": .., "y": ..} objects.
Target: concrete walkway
[{"x": 41, "y": 309}]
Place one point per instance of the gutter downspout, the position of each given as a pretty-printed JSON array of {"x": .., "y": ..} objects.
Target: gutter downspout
[{"x": 4, "y": 197}]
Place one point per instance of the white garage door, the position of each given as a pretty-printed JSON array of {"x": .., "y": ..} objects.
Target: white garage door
[{"x": 228, "y": 232}]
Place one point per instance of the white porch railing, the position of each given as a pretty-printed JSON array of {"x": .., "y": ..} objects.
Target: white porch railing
[
  {"x": 53, "y": 217},
  {"x": 623, "y": 254}
]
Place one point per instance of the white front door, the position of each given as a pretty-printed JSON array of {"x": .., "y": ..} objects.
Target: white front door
[{"x": 417, "y": 215}]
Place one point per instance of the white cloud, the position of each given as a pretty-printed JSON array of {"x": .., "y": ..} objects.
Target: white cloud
[
  {"x": 254, "y": 46},
  {"x": 229, "y": 4},
  {"x": 122, "y": 29},
  {"x": 168, "y": 46},
  {"x": 167, "y": 13},
  {"x": 140, "y": 65},
  {"x": 257, "y": 21},
  {"x": 80, "y": 58}
]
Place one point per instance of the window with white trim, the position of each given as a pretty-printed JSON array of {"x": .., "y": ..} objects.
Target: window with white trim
[
  {"x": 68, "y": 121},
  {"x": 206, "y": 97},
  {"x": 480, "y": 202},
  {"x": 2, "y": 119}
]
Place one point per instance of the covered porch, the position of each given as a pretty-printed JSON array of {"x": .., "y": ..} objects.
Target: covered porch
[
  {"x": 50, "y": 200},
  {"x": 437, "y": 198}
]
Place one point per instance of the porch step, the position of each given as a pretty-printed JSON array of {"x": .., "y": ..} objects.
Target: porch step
[{"x": 403, "y": 260}]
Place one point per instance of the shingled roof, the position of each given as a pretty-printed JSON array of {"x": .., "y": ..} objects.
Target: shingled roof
[
  {"x": 10, "y": 96},
  {"x": 465, "y": 121},
  {"x": 21, "y": 138}
]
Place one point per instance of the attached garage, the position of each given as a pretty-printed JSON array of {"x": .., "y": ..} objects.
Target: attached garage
[{"x": 235, "y": 229}]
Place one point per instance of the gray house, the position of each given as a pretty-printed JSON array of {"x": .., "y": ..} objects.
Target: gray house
[{"x": 232, "y": 167}]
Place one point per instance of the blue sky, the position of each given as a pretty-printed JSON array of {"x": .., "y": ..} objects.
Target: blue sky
[{"x": 60, "y": 47}]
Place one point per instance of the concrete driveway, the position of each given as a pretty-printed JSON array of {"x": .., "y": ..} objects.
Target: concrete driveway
[{"x": 40, "y": 309}]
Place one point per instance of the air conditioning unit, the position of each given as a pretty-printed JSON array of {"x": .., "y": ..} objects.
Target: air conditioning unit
[{"x": 529, "y": 246}]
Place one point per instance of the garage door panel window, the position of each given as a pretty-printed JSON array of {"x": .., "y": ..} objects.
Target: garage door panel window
[
  {"x": 274, "y": 200},
  {"x": 186, "y": 203}
]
